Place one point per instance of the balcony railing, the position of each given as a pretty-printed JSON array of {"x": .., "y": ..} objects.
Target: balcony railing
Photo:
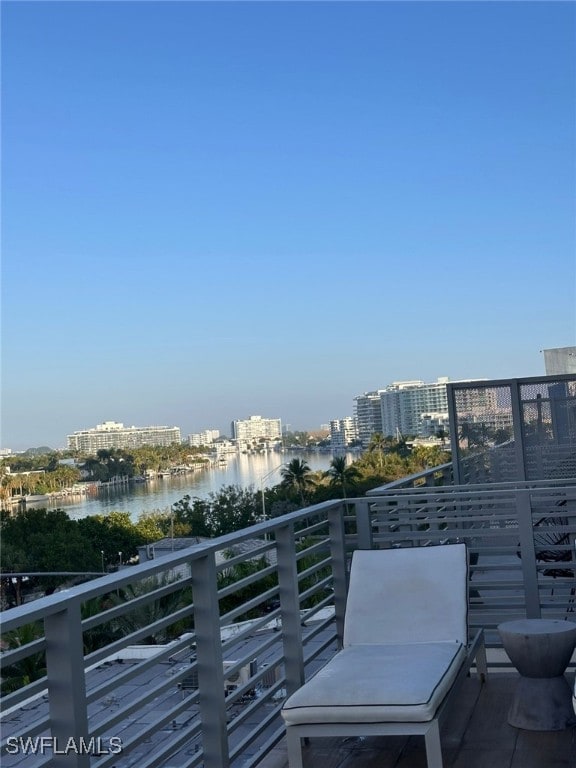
[{"x": 192, "y": 671}]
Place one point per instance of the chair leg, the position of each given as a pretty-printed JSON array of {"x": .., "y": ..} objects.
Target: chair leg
[
  {"x": 294, "y": 745},
  {"x": 433, "y": 746},
  {"x": 482, "y": 663}
]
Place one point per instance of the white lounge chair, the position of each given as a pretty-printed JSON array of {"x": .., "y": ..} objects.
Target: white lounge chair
[{"x": 405, "y": 649}]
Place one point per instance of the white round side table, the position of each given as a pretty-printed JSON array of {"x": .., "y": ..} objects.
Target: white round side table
[{"x": 540, "y": 649}]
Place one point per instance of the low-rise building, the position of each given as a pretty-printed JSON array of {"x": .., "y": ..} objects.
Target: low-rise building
[
  {"x": 112, "y": 434},
  {"x": 207, "y": 437}
]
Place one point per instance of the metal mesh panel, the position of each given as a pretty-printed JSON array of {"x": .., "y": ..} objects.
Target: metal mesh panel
[
  {"x": 520, "y": 429},
  {"x": 485, "y": 433},
  {"x": 549, "y": 429}
]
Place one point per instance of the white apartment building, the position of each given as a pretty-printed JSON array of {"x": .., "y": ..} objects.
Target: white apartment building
[
  {"x": 207, "y": 437},
  {"x": 368, "y": 414},
  {"x": 412, "y": 408},
  {"x": 433, "y": 423},
  {"x": 256, "y": 427},
  {"x": 112, "y": 434},
  {"x": 343, "y": 432},
  {"x": 404, "y": 402},
  {"x": 474, "y": 402}
]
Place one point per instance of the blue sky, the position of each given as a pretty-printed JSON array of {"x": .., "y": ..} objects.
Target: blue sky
[{"x": 212, "y": 209}]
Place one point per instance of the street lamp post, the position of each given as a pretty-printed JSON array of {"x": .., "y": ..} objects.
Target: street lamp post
[
  {"x": 102, "y": 557},
  {"x": 264, "y": 477}
]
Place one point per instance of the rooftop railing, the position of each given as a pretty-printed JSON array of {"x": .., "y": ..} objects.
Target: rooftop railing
[{"x": 185, "y": 661}]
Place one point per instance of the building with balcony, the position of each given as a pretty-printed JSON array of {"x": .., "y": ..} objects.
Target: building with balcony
[
  {"x": 112, "y": 434},
  {"x": 343, "y": 433},
  {"x": 404, "y": 402},
  {"x": 256, "y": 428},
  {"x": 433, "y": 424},
  {"x": 368, "y": 413},
  {"x": 401, "y": 408},
  {"x": 207, "y": 437}
]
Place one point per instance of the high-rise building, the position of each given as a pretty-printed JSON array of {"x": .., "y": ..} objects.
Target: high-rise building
[
  {"x": 404, "y": 408},
  {"x": 255, "y": 427},
  {"x": 112, "y": 434},
  {"x": 404, "y": 402},
  {"x": 368, "y": 414},
  {"x": 343, "y": 432}
]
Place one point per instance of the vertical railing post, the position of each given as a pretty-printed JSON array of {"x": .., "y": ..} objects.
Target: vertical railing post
[
  {"x": 528, "y": 554},
  {"x": 518, "y": 430},
  {"x": 210, "y": 662},
  {"x": 457, "y": 474},
  {"x": 339, "y": 569},
  {"x": 364, "y": 525},
  {"x": 290, "y": 607},
  {"x": 67, "y": 686}
]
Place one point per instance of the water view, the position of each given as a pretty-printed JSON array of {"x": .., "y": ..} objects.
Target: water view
[{"x": 161, "y": 493}]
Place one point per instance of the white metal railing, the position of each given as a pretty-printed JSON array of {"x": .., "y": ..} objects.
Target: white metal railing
[{"x": 193, "y": 672}]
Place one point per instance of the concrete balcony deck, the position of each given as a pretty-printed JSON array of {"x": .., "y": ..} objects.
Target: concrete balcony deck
[{"x": 475, "y": 735}]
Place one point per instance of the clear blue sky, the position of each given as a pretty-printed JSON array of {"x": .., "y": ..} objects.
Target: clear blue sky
[{"x": 213, "y": 210}]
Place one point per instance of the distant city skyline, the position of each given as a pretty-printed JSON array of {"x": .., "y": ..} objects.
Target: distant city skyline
[
  {"x": 391, "y": 387},
  {"x": 216, "y": 210}
]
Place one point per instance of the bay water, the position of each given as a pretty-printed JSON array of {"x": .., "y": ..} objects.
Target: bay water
[{"x": 245, "y": 470}]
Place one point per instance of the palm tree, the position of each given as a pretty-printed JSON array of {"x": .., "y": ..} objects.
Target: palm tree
[
  {"x": 342, "y": 474},
  {"x": 102, "y": 634},
  {"x": 148, "y": 614},
  {"x": 28, "y": 669},
  {"x": 441, "y": 434},
  {"x": 377, "y": 445},
  {"x": 296, "y": 474}
]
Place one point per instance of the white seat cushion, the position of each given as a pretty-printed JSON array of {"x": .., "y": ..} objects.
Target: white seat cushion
[
  {"x": 378, "y": 684},
  {"x": 407, "y": 595}
]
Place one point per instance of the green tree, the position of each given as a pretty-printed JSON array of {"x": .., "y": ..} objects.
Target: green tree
[
  {"x": 225, "y": 511},
  {"x": 147, "y": 614},
  {"x": 111, "y": 534},
  {"x": 52, "y": 541},
  {"x": 231, "y": 509},
  {"x": 193, "y": 514},
  {"x": 377, "y": 447},
  {"x": 425, "y": 457},
  {"x": 241, "y": 571},
  {"x": 296, "y": 476},
  {"x": 341, "y": 474},
  {"x": 28, "y": 669},
  {"x": 156, "y": 524},
  {"x": 104, "y": 633},
  {"x": 15, "y": 560},
  {"x": 441, "y": 434}
]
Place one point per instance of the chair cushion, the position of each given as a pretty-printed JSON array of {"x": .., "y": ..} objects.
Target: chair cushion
[
  {"x": 411, "y": 594},
  {"x": 378, "y": 684}
]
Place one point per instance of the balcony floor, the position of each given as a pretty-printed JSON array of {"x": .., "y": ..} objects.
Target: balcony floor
[{"x": 476, "y": 734}]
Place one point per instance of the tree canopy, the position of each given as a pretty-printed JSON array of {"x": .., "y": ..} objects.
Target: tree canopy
[{"x": 41, "y": 540}]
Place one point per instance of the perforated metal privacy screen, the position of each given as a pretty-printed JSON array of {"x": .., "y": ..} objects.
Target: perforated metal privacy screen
[{"x": 520, "y": 429}]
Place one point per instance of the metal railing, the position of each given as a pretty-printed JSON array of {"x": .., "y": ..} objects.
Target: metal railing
[{"x": 142, "y": 669}]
